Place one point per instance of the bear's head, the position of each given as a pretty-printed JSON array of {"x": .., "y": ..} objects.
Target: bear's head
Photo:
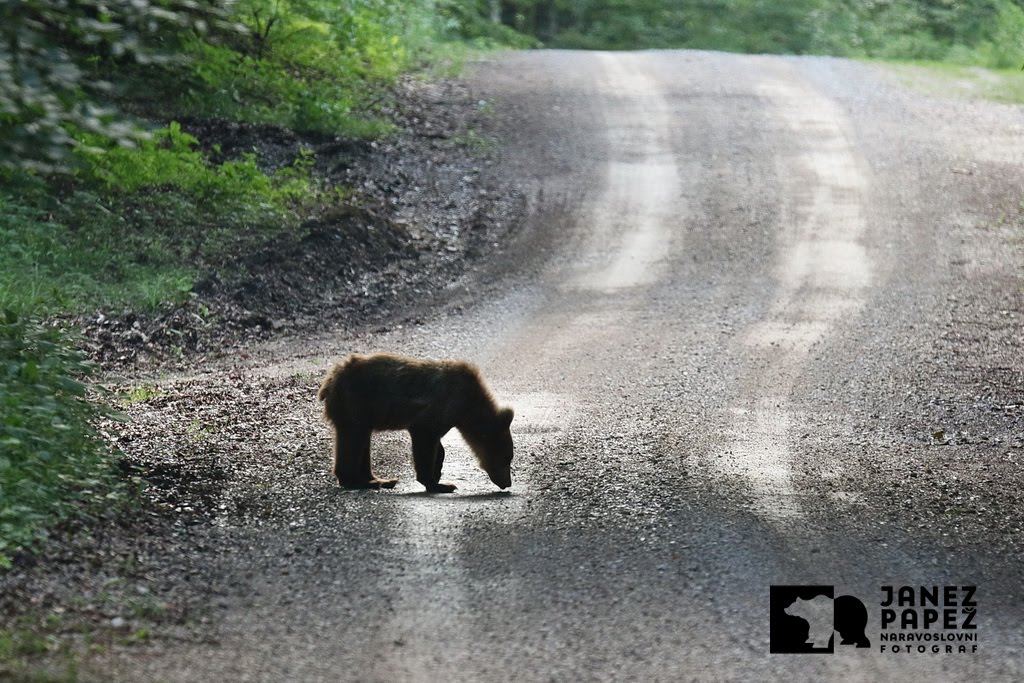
[{"x": 495, "y": 449}]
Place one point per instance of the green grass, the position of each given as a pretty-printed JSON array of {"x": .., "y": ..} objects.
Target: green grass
[
  {"x": 74, "y": 258},
  {"x": 21, "y": 642},
  {"x": 140, "y": 394},
  {"x": 19, "y": 672},
  {"x": 956, "y": 80},
  {"x": 24, "y": 655},
  {"x": 32, "y": 651},
  {"x": 137, "y": 224}
]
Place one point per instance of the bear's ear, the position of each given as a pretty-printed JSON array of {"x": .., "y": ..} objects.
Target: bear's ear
[{"x": 505, "y": 416}]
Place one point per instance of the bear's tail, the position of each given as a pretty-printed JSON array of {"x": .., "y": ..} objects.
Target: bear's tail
[
  {"x": 330, "y": 391},
  {"x": 328, "y": 395},
  {"x": 327, "y": 386}
]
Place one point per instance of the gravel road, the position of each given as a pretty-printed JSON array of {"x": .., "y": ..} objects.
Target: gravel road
[{"x": 764, "y": 326}]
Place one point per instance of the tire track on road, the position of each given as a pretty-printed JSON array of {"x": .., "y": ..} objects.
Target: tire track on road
[
  {"x": 823, "y": 274},
  {"x": 639, "y": 206}
]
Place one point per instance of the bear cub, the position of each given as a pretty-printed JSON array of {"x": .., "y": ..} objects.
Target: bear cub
[{"x": 383, "y": 391}]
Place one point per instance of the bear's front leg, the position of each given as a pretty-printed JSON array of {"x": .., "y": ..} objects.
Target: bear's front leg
[
  {"x": 428, "y": 456},
  {"x": 438, "y": 461}
]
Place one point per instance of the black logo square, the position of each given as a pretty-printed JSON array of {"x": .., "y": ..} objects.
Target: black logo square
[{"x": 805, "y": 619}]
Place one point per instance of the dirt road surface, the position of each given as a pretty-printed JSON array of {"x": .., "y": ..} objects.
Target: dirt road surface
[{"x": 764, "y": 326}]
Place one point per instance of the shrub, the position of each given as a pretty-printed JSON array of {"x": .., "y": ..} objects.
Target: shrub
[
  {"x": 169, "y": 159},
  {"x": 230, "y": 85},
  {"x": 1005, "y": 49},
  {"x": 48, "y": 79},
  {"x": 54, "y": 466}
]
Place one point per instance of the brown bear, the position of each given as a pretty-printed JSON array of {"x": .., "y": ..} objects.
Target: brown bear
[{"x": 383, "y": 391}]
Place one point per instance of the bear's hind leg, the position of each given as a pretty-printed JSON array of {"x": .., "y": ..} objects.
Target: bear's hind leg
[
  {"x": 428, "y": 456},
  {"x": 352, "y": 461}
]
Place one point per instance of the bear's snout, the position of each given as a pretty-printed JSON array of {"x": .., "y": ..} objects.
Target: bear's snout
[{"x": 502, "y": 479}]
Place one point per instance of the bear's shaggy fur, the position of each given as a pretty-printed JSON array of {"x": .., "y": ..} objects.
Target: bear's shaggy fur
[{"x": 383, "y": 391}]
